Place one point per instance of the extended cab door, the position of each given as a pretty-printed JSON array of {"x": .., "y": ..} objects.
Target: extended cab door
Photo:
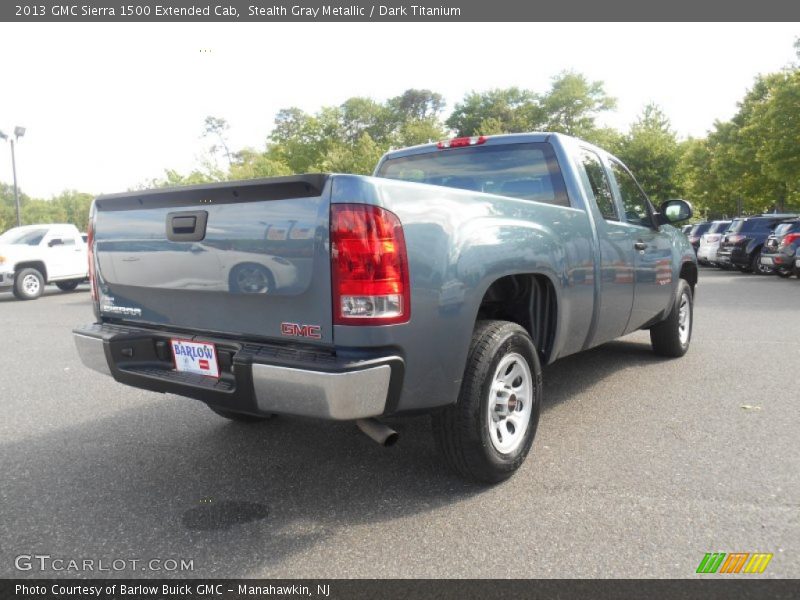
[
  {"x": 616, "y": 254},
  {"x": 64, "y": 254},
  {"x": 652, "y": 249}
]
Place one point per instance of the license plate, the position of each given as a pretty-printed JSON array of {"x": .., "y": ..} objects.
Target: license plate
[
  {"x": 766, "y": 260},
  {"x": 195, "y": 357}
]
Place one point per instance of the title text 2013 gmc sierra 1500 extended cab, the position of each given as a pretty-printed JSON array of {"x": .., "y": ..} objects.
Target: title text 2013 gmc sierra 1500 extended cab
[{"x": 442, "y": 285}]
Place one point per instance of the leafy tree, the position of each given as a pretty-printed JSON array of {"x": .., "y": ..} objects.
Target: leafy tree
[
  {"x": 511, "y": 110},
  {"x": 251, "y": 164},
  {"x": 573, "y": 103},
  {"x": 415, "y": 105},
  {"x": 359, "y": 158},
  {"x": 651, "y": 151}
]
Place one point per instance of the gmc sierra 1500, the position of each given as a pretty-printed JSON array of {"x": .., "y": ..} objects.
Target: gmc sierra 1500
[{"x": 440, "y": 285}]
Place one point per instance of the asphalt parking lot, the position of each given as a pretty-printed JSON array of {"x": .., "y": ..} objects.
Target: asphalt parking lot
[{"x": 641, "y": 465}]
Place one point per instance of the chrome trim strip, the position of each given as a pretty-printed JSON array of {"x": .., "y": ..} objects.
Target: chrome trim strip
[
  {"x": 92, "y": 353},
  {"x": 339, "y": 396}
]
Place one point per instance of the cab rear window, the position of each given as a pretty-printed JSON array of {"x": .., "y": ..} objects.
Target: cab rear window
[{"x": 526, "y": 171}]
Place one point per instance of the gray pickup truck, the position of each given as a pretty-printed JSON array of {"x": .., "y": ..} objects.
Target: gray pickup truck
[{"x": 442, "y": 284}]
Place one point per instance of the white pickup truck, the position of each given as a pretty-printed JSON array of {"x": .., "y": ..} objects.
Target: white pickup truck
[{"x": 34, "y": 255}]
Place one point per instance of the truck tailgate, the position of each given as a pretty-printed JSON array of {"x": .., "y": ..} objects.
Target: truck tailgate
[{"x": 242, "y": 258}]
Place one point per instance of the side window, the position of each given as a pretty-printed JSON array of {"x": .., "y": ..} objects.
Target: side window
[
  {"x": 599, "y": 185},
  {"x": 634, "y": 202},
  {"x": 69, "y": 241}
]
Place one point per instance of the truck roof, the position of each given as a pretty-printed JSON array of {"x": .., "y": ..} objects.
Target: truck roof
[{"x": 491, "y": 140}]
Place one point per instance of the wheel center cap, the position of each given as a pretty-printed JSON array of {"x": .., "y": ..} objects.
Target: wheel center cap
[{"x": 512, "y": 403}]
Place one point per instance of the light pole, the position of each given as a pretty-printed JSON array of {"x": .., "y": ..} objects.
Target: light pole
[{"x": 18, "y": 133}]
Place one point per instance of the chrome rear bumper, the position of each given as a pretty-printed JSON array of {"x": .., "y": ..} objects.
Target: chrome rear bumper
[{"x": 354, "y": 390}]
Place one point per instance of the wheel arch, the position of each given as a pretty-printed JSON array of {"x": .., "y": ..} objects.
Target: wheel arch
[
  {"x": 32, "y": 264},
  {"x": 689, "y": 272},
  {"x": 528, "y": 299}
]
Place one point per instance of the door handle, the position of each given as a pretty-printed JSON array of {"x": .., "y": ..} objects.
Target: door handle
[{"x": 641, "y": 246}]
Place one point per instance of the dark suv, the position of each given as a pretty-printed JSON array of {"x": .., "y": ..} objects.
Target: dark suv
[
  {"x": 742, "y": 244},
  {"x": 696, "y": 233},
  {"x": 781, "y": 247}
]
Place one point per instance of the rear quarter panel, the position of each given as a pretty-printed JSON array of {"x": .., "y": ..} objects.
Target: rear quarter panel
[{"x": 459, "y": 243}]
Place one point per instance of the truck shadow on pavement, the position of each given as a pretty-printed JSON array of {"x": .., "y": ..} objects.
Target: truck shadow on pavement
[{"x": 165, "y": 478}]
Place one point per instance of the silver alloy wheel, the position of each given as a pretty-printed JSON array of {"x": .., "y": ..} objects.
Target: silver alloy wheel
[
  {"x": 31, "y": 285},
  {"x": 684, "y": 319},
  {"x": 510, "y": 403}
]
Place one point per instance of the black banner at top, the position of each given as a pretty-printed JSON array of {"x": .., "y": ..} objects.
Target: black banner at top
[{"x": 166, "y": 11}]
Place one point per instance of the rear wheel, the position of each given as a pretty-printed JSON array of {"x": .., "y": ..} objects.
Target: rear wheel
[
  {"x": 68, "y": 286},
  {"x": 239, "y": 417},
  {"x": 28, "y": 284},
  {"x": 758, "y": 268},
  {"x": 671, "y": 336},
  {"x": 487, "y": 434}
]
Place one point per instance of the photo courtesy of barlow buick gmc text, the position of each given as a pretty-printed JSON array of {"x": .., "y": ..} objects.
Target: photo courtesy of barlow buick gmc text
[{"x": 464, "y": 301}]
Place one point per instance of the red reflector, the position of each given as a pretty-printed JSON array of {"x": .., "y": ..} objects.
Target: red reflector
[
  {"x": 369, "y": 266},
  {"x": 460, "y": 142}
]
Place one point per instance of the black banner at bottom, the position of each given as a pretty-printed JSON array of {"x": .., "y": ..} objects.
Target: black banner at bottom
[{"x": 399, "y": 589}]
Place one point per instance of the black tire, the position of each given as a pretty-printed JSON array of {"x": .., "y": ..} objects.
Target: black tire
[
  {"x": 756, "y": 266},
  {"x": 462, "y": 431},
  {"x": 68, "y": 286},
  {"x": 28, "y": 284},
  {"x": 239, "y": 417},
  {"x": 667, "y": 337}
]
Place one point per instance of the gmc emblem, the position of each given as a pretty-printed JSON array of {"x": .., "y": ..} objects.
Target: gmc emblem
[{"x": 304, "y": 331}]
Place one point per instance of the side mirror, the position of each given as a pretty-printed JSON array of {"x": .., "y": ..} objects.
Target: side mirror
[
  {"x": 674, "y": 211},
  {"x": 55, "y": 242}
]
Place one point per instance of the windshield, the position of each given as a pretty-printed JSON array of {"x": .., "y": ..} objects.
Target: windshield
[
  {"x": 526, "y": 171},
  {"x": 24, "y": 237}
]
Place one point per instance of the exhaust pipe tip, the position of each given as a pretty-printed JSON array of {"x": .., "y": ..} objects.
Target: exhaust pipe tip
[{"x": 378, "y": 432}]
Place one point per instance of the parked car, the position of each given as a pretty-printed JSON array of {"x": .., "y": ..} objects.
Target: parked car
[
  {"x": 780, "y": 249},
  {"x": 441, "y": 285},
  {"x": 698, "y": 229},
  {"x": 34, "y": 255},
  {"x": 743, "y": 241},
  {"x": 709, "y": 242}
]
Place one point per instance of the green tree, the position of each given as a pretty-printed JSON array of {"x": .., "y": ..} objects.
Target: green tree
[
  {"x": 510, "y": 110},
  {"x": 651, "y": 151},
  {"x": 573, "y": 103}
]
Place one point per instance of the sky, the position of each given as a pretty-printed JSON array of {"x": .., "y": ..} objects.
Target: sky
[{"x": 109, "y": 106}]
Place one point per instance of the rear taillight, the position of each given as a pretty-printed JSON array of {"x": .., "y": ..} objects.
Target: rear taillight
[
  {"x": 90, "y": 244},
  {"x": 461, "y": 142},
  {"x": 369, "y": 266},
  {"x": 789, "y": 239}
]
